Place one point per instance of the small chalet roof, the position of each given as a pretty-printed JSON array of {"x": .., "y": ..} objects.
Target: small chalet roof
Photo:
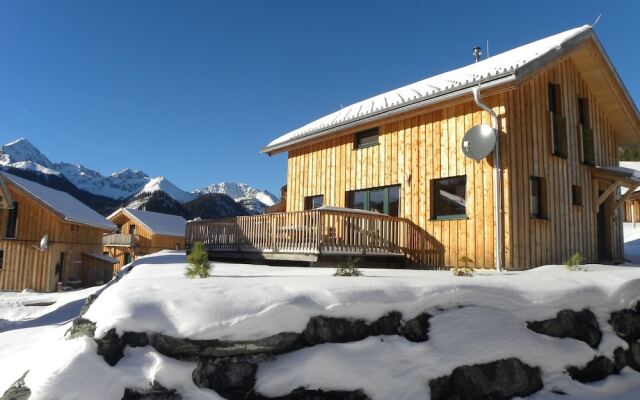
[
  {"x": 63, "y": 204},
  {"x": 498, "y": 69},
  {"x": 102, "y": 257},
  {"x": 158, "y": 223}
]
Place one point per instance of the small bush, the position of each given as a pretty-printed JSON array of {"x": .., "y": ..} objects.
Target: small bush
[
  {"x": 348, "y": 268},
  {"x": 574, "y": 263},
  {"x": 199, "y": 265},
  {"x": 465, "y": 269}
]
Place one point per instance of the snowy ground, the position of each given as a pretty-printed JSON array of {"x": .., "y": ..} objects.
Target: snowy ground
[{"x": 249, "y": 301}]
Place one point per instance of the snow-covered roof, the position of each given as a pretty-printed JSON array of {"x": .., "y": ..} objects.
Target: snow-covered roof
[
  {"x": 433, "y": 89},
  {"x": 67, "y": 206},
  {"x": 158, "y": 223}
]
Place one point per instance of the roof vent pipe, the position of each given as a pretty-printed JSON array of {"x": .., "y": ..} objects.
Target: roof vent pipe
[
  {"x": 497, "y": 176},
  {"x": 477, "y": 52}
]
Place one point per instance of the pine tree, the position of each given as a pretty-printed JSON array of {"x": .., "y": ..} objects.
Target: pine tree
[{"x": 199, "y": 265}]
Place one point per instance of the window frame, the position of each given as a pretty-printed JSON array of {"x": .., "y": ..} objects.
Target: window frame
[
  {"x": 386, "y": 205},
  {"x": 11, "y": 227},
  {"x": 133, "y": 229},
  {"x": 308, "y": 201},
  {"x": 541, "y": 197},
  {"x": 558, "y": 123},
  {"x": 584, "y": 130},
  {"x": 366, "y": 133},
  {"x": 576, "y": 195},
  {"x": 435, "y": 214}
]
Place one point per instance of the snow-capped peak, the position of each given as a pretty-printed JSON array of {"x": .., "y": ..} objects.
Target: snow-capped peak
[
  {"x": 161, "y": 183},
  {"x": 238, "y": 191},
  {"x": 22, "y": 150}
]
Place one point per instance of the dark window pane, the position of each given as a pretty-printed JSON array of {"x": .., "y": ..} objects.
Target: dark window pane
[
  {"x": 357, "y": 199},
  {"x": 367, "y": 138},
  {"x": 576, "y": 195},
  {"x": 312, "y": 202},
  {"x": 1, "y": 259},
  {"x": 132, "y": 229},
  {"x": 450, "y": 197},
  {"x": 376, "y": 200},
  {"x": 12, "y": 222},
  {"x": 394, "y": 201},
  {"x": 535, "y": 196}
]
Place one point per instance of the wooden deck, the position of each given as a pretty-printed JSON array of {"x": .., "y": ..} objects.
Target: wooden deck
[{"x": 306, "y": 235}]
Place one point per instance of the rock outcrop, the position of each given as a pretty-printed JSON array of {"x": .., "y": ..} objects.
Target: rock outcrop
[
  {"x": 626, "y": 323},
  {"x": 17, "y": 391},
  {"x": 497, "y": 380},
  {"x": 155, "y": 392},
  {"x": 597, "y": 369},
  {"x": 580, "y": 325}
]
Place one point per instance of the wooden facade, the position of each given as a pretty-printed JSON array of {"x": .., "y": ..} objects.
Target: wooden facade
[
  {"x": 24, "y": 266},
  {"x": 144, "y": 241},
  {"x": 417, "y": 147}
]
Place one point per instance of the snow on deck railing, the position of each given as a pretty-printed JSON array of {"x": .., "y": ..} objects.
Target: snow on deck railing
[{"x": 329, "y": 231}]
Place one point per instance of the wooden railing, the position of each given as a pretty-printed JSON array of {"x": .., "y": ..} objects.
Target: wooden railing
[
  {"x": 119, "y": 239},
  {"x": 323, "y": 231}
]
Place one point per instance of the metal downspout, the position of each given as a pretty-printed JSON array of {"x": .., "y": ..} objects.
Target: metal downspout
[{"x": 497, "y": 177}]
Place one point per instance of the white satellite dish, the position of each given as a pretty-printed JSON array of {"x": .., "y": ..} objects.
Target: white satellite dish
[
  {"x": 479, "y": 142},
  {"x": 44, "y": 243}
]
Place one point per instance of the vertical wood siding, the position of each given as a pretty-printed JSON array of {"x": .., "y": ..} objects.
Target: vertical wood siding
[
  {"x": 415, "y": 149},
  {"x": 25, "y": 266}
]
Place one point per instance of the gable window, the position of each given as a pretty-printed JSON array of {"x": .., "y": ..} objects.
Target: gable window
[
  {"x": 576, "y": 195},
  {"x": 537, "y": 197},
  {"x": 586, "y": 133},
  {"x": 12, "y": 222},
  {"x": 558, "y": 123},
  {"x": 449, "y": 198},
  {"x": 312, "y": 202},
  {"x": 1, "y": 259},
  {"x": 385, "y": 200},
  {"x": 132, "y": 229},
  {"x": 367, "y": 138}
]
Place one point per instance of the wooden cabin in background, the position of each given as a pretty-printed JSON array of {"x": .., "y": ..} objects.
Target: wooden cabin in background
[
  {"x": 396, "y": 158},
  {"x": 631, "y": 207},
  {"x": 280, "y": 206},
  {"x": 72, "y": 251},
  {"x": 140, "y": 232}
]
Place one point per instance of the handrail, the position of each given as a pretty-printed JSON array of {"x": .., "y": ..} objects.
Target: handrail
[{"x": 319, "y": 231}]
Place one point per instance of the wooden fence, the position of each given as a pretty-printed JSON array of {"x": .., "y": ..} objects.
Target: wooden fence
[{"x": 321, "y": 231}]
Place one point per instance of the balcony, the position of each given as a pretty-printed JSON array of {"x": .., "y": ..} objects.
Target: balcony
[
  {"x": 308, "y": 235},
  {"x": 120, "y": 240}
]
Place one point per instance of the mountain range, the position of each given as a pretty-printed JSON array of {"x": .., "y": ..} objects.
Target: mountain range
[{"x": 132, "y": 188}]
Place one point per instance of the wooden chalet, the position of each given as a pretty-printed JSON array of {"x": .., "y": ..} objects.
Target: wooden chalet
[
  {"x": 140, "y": 232},
  {"x": 562, "y": 113},
  {"x": 49, "y": 240}
]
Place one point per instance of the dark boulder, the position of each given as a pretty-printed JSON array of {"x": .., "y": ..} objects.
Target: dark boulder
[
  {"x": 628, "y": 358},
  {"x": 190, "y": 349},
  {"x": 81, "y": 327},
  {"x": 135, "y": 339},
  {"x": 155, "y": 392},
  {"x": 307, "y": 394},
  {"x": 626, "y": 324},
  {"x": 497, "y": 380},
  {"x": 417, "y": 329},
  {"x": 387, "y": 324},
  {"x": 231, "y": 377},
  {"x": 580, "y": 325},
  {"x": 335, "y": 330},
  {"x": 597, "y": 369},
  {"x": 17, "y": 391},
  {"x": 110, "y": 347}
]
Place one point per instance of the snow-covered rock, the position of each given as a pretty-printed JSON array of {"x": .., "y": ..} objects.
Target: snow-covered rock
[
  {"x": 118, "y": 185},
  {"x": 254, "y": 200},
  {"x": 23, "y": 150},
  {"x": 163, "y": 184}
]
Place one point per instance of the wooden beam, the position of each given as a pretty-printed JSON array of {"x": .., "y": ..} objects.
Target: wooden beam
[
  {"x": 613, "y": 186},
  {"x": 626, "y": 196}
]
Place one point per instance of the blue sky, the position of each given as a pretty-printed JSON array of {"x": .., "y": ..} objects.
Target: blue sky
[{"x": 193, "y": 89}]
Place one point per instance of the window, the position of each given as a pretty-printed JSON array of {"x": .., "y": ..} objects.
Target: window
[
  {"x": 1, "y": 259},
  {"x": 132, "y": 229},
  {"x": 311, "y": 202},
  {"x": 367, "y": 138},
  {"x": 576, "y": 195},
  {"x": 537, "y": 197},
  {"x": 385, "y": 200},
  {"x": 586, "y": 133},
  {"x": 558, "y": 123},
  {"x": 75, "y": 228},
  {"x": 119, "y": 228},
  {"x": 12, "y": 222},
  {"x": 449, "y": 197}
]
